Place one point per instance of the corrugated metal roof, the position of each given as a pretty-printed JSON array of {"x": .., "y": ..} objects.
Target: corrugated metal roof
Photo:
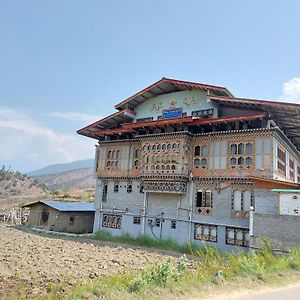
[
  {"x": 285, "y": 191},
  {"x": 69, "y": 206}
]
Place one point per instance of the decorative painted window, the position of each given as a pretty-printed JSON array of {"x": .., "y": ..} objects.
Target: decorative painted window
[
  {"x": 205, "y": 232},
  {"x": 137, "y": 153},
  {"x": 204, "y": 202},
  {"x": 112, "y": 221},
  {"x": 237, "y": 236},
  {"x": 292, "y": 169},
  {"x": 141, "y": 189},
  {"x": 148, "y": 119},
  {"x": 241, "y": 200},
  {"x": 113, "y": 157},
  {"x": 116, "y": 187},
  {"x": 129, "y": 188},
  {"x": 241, "y": 155},
  {"x": 104, "y": 192},
  {"x": 200, "y": 156},
  {"x": 281, "y": 161},
  {"x": 136, "y": 220},
  {"x": 97, "y": 158},
  {"x": 137, "y": 164},
  {"x": 173, "y": 224}
]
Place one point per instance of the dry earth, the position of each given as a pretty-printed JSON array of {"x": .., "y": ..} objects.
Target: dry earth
[{"x": 29, "y": 262}]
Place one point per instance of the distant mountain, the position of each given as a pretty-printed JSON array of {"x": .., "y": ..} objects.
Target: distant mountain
[
  {"x": 83, "y": 178},
  {"x": 60, "y": 168}
]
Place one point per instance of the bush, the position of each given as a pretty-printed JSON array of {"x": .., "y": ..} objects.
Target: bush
[
  {"x": 147, "y": 241},
  {"x": 159, "y": 275}
]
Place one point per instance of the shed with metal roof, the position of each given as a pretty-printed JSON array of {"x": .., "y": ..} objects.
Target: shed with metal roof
[{"x": 71, "y": 217}]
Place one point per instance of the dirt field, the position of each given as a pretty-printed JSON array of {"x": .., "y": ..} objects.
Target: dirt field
[{"x": 30, "y": 262}]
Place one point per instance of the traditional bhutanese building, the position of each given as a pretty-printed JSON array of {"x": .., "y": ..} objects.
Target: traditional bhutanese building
[{"x": 186, "y": 161}]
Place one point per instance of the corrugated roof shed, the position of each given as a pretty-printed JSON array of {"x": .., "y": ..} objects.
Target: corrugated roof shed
[{"x": 67, "y": 206}]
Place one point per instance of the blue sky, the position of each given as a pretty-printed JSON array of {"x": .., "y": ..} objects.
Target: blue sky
[{"x": 65, "y": 63}]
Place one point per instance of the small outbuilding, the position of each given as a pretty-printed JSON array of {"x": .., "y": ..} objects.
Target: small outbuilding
[{"x": 72, "y": 217}]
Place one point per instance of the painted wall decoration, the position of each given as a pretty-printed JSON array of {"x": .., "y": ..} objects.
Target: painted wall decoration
[
  {"x": 172, "y": 103},
  {"x": 191, "y": 100},
  {"x": 156, "y": 107},
  {"x": 187, "y": 100}
]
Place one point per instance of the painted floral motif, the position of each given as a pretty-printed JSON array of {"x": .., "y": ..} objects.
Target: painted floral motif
[
  {"x": 192, "y": 100},
  {"x": 156, "y": 107},
  {"x": 172, "y": 103}
]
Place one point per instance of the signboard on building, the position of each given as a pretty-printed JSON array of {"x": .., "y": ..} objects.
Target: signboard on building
[
  {"x": 289, "y": 204},
  {"x": 172, "y": 113}
]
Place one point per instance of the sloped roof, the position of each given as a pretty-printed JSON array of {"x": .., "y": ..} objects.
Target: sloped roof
[
  {"x": 286, "y": 115},
  {"x": 108, "y": 122},
  {"x": 66, "y": 206},
  {"x": 168, "y": 85}
]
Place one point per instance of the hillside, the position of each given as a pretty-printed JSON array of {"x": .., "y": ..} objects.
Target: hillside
[
  {"x": 75, "y": 179},
  {"x": 17, "y": 188},
  {"x": 59, "y": 168}
]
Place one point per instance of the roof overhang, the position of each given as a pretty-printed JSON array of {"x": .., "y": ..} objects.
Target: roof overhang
[
  {"x": 168, "y": 85},
  {"x": 286, "y": 115},
  {"x": 112, "y": 121},
  {"x": 270, "y": 184},
  {"x": 189, "y": 121}
]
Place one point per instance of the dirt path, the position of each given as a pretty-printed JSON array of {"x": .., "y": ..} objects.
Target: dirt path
[
  {"x": 29, "y": 261},
  {"x": 289, "y": 292}
]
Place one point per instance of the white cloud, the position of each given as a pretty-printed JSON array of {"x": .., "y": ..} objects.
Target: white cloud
[
  {"x": 291, "y": 90},
  {"x": 74, "y": 116},
  {"x": 23, "y": 139}
]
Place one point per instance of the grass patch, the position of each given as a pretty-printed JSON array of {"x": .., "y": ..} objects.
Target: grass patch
[
  {"x": 167, "y": 280},
  {"x": 146, "y": 241}
]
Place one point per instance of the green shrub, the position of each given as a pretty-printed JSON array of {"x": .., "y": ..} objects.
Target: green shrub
[
  {"x": 159, "y": 275},
  {"x": 147, "y": 241}
]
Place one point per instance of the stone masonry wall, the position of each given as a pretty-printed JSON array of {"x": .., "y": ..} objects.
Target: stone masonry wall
[{"x": 282, "y": 230}]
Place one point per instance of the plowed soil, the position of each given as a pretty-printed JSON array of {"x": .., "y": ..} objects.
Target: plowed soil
[{"x": 29, "y": 263}]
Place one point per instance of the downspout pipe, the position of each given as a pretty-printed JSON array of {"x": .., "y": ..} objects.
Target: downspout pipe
[{"x": 144, "y": 213}]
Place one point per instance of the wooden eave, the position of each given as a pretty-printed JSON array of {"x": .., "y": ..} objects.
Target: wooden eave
[
  {"x": 286, "y": 115},
  {"x": 189, "y": 121},
  {"x": 168, "y": 85},
  {"x": 110, "y": 121},
  {"x": 229, "y": 119},
  {"x": 267, "y": 183}
]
